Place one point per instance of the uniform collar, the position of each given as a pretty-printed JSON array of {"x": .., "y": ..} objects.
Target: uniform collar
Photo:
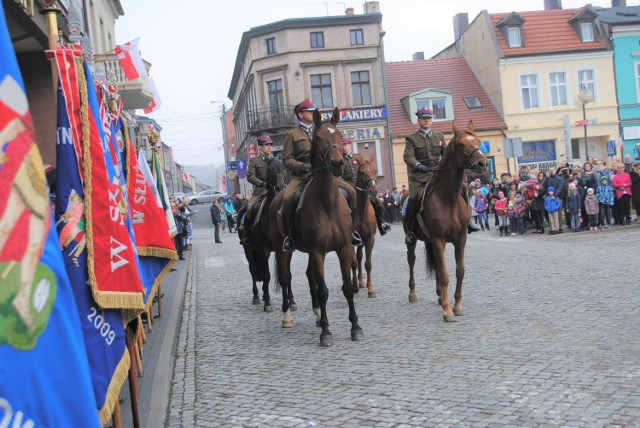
[{"x": 426, "y": 133}]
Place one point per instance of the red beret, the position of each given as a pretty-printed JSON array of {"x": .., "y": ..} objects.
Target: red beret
[
  {"x": 346, "y": 140},
  {"x": 424, "y": 112},
  {"x": 305, "y": 105},
  {"x": 264, "y": 140}
]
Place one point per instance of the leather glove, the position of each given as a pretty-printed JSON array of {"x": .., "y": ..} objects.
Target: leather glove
[
  {"x": 306, "y": 168},
  {"x": 422, "y": 168}
]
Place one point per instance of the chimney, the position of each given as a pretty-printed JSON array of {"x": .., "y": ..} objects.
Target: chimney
[
  {"x": 371, "y": 7},
  {"x": 349, "y": 11},
  {"x": 618, "y": 3},
  {"x": 552, "y": 4},
  {"x": 418, "y": 55},
  {"x": 460, "y": 23}
]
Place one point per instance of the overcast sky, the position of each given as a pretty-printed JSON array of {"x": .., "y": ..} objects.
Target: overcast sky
[{"x": 192, "y": 46}]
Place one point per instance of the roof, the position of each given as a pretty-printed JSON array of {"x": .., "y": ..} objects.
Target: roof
[
  {"x": 545, "y": 32},
  {"x": 619, "y": 15},
  {"x": 447, "y": 74}
]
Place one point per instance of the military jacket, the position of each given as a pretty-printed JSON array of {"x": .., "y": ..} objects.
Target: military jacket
[
  {"x": 296, "y": 151},
  {"x": 425, "y": 150},
  {"x": 349, "y": 169},
  {"x": 257, "y": 175}
]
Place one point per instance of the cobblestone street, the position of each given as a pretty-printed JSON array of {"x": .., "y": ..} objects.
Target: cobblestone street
[{"x": 549, "y": 338}]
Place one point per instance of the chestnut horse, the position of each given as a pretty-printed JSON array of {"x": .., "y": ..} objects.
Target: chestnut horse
[
  {"x": 259, "y": 246},
  {"x": 365, "y": 218},
  {"x": 322, "y": 225},
  {"x": 444, "y": 217}
]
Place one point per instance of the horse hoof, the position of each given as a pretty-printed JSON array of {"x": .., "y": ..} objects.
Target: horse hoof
[
  {"x": 268, "y": 308},
  {"x": 287, "y": 324},
  {"x": 372, "y": 294},
  {"x": 458, "y": 312},
  {"x": 326, "y": 340},
  {"x": 256, "y": 301},
  {"x": 449, "y": 318},
  {"x": 357, "y": 335},
  {"x": 413, "y": 298},
  {"x": 293, "y": 307}
]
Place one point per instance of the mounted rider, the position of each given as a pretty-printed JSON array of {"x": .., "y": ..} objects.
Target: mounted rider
[
  {"x": 296, "y": 156},
  {"x": 256, "y": 175},
  {"x": 422, "y": 153},
  {"x": 349, "y": 172}
]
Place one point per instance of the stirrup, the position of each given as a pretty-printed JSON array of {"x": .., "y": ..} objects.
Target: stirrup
[
  {"x": 409, "y": 238},
  {"x": 472, "y": 228},
  {"x": 288, "y": 245},
  {"x": 244, "y": 240},
  {"x": 356, "y": 239},
  {"x": 384, "y": 228}
]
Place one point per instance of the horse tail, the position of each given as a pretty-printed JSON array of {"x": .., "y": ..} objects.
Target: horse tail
[
  {"x": 275, "y": 274},
  {"x": 431, "y": 262}
]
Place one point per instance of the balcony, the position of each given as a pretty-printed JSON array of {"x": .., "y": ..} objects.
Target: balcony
[
  {"x": 135, "y": 94},
  {"x": 270, "y": 120}
]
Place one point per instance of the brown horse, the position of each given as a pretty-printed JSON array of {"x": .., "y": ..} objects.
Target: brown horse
[
  {"x": 365, "y": 218},
  {"x": 322, "y": 225},
  {"x": 445, "y": 216},
  {"x": 259, "y": 246}
]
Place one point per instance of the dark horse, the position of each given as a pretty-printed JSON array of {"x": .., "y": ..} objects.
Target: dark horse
[
  {"x": 445, "y": 216},
  {"x": 259, "y": 245},
  {"x": 322, "y": 225},
  {"x": 365, "y": 218}
]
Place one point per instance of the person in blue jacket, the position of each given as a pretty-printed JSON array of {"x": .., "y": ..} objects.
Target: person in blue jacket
[{"x": 552, "y": 205}]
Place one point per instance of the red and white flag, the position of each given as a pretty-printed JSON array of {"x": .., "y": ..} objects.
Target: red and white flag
[
  {"x": 185, "y": 177},
  {"x": 155, "y": 102},
  {"x": 131, "y": 60}
]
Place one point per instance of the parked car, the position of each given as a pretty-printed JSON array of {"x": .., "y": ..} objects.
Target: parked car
[
  {"x": 206, "y": 196},
  {"x": 178, "y": 195}
]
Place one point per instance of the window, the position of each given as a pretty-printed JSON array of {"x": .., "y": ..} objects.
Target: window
[
  {"x": 585, "y": 80},
  {"x": 558, "y": 88},
  {"x": 472, "y": 102},
  {"x": 586, "y": 29},
  {"x": 515, "y": 37},
  {"x": 276, "y": 97},
  {"x": 529, "y": 89},
  {"x": 317, "y": 40},
  {"x": 321, "y": 90},
  {"x": 357, "y": 37},
  {"x": 271, "y": 46},
  {"x": 360, "y": 88},
  {"x": 437, "y": 105},
  {"x": 637, "y": 69}
]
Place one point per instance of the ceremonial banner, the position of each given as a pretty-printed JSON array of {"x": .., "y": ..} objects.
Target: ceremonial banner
[
  {"x": 155, "y": 102},
  {"x": 44, "y": 373},
  {"x": 158, "y": 179},
  {"x": 103, "y": 329},
  {"x": 131, "y": 60},
  {"x": 112, "y": 262}
]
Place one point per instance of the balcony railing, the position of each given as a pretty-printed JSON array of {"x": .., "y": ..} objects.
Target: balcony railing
[
  {"x": 271, "y": 119},
  {"x": 135, "y": 94}
]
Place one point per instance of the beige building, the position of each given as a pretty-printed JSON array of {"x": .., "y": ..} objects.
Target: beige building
[{"x": 335, "y": 61}]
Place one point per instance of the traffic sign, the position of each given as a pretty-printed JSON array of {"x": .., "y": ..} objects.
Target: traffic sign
[
  {"x": 231, "y": 174},
  {"x": 582, "y": 122}
]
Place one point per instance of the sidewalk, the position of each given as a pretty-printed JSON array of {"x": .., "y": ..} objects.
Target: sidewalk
[{"x": 158, "y": 354}]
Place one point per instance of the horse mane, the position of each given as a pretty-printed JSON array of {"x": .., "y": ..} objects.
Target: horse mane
[
  {"x": 448, "y": 157},
  {"x": 314, "y": 146}
]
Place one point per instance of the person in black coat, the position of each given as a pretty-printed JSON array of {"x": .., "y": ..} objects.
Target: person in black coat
[
  {"x": 635, "y": 188},
  {"x": 216, "y": 219}
]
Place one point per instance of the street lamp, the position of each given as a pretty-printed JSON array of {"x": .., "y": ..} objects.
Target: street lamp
[{"x": 585, "y": 96}]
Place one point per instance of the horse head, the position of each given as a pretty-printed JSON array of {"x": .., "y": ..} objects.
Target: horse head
[
  {"x": 277, "y": 176},
  {"x": 326, "y": 147},
  {"x": 367, "y": 175},
  {"x": 465, "y": 147}
]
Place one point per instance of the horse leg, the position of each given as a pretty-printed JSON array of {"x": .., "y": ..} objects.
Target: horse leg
[
  {"x": 316, "y": 266},
  {"x": 266, "y": 279},
  {"x": 442, "y": 279},
  {"x": 459, "y": 251},
  {"x": 367, "y": 265},
  {"x": 284, "y": 276},
  {"x": 313, "y": 286},
  {"x": 354, "y": 272},
  {"x": 411, "y": 261},
  {"x": 346, "y": 257},
  {"x": 359, "y": 254},
  {"x": 256, "y": 294}
]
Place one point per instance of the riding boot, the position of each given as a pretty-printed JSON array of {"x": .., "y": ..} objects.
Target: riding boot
[
  {"x": 409, "y": 218},
  {"x": 288, "y": 245},
  {"x": 242, "y": 234},
  {"x": 383, "y": 226}
]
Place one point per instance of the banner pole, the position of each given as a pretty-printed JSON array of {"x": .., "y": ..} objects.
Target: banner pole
[{"x": 51, "y": 15}]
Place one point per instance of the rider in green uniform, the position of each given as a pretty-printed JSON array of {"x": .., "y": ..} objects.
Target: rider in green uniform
[{"x": 256, "y": 175}]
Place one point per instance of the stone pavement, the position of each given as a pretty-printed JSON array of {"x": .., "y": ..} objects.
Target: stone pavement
[{"x": 549, "y": 339}]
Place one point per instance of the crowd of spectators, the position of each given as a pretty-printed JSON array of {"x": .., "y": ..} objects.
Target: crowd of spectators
[{"x": 591, "y": 196}]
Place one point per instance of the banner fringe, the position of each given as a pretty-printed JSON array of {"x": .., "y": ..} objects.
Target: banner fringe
[
  {"x": 115, "y": 386},
  {"x": 158, "y": 252}
]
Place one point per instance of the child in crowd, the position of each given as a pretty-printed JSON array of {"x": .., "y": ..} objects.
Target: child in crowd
[
  {"x": 481, "y": 206},
  {"x": 552, "y": 205},
  {"x": 472, "y": 205},
  {"x": 513, "y": 222},
  {"x": 574, "y": 207},
  {"x": 520, "y": 211},
  {"x": 591, "y": 207},
  {"x": 501, "y": 213},
  {"x": 605, "y": 202}
]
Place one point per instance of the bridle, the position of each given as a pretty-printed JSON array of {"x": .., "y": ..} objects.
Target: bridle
[
  {"x": 372, "y": 182},
  {"x": 326, "y": 163},
  {"x": 467, "y": 162}
]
